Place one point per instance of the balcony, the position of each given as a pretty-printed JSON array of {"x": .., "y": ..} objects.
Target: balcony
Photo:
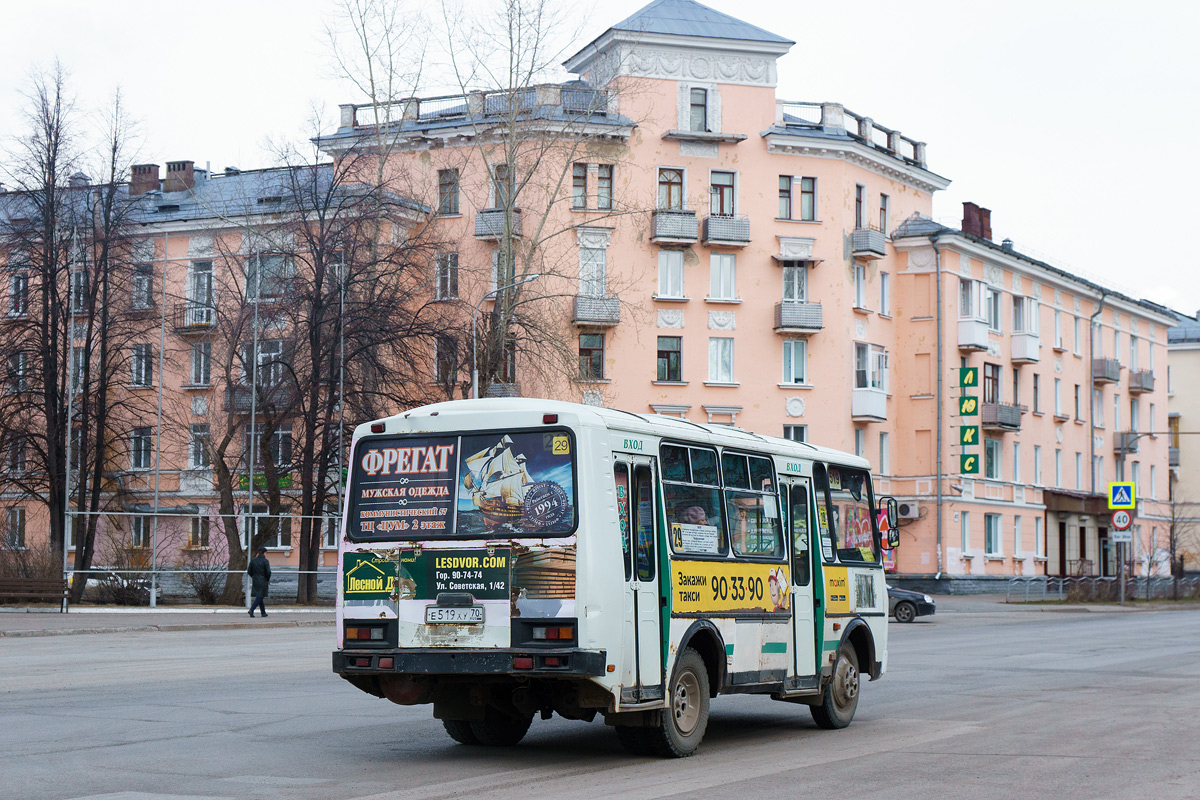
[
  {"x": 1106, "y": 370},
  {"x": 727, "y": 231},
  {"x": 972, "y": 334},
  {"x": 793, "y": 316},
  {"x": 1141, "y": 381},
  {"x": 597, "y": 311},
  {"x": 673, "y": 227},
  {"x": 193, "y": 317},
  {"x": 1125, "y": 442},
  {"x": 489, "y": 223},
  {"x": 868, "y": 405},
  {"x": 238, "y": 399},
  {"x": 1025, "y": 347},
  {"x": 868, "y": 243},
  {"x": 1172, "y": 456},
  {"x": 1000, "y": 416}
]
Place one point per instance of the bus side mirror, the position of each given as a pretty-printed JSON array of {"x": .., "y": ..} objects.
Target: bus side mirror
[{"x": 893, "y": 521}]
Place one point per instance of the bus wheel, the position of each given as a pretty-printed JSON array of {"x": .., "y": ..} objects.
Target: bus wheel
[
  {"x": 460, "y": 731},
  {"x": 501, "y": 730},
  {"x": 841, "y": 695},
  {"x": 684, "y": 720}
]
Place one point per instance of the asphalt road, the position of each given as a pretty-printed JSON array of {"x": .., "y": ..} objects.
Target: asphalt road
[{"x": 987, "y": 704}]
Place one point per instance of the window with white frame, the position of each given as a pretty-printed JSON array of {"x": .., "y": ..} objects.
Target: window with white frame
[
  {"x": 670, "y": 188},
  {"x": 604, "y": 187},
  {"x": 797, "y": 433},
  {"x": 18, "y": 372},
  {"x": 269, "y": 363},
  {"x": 966, "y": 298},
  {"x": 79, "y": 291},
  {"x": 722, "y": 276},
  {"x": 991, "y": 459},
  {"x": 1037, "y": 465},
  {"x": 885, "y": 454},
  {"x": 267, "y": 276},
  {"x": 860, "y": 285},
  {"x": 884, "y": 208},
  {"x": 139, "y": 532},
  {"x": 808, "y": 199},
  {"x": 1079, "y": 471},
  {"x": 579, "y": 186},
  {"x": 860, "y": 442},
  {"x": 1058, "y": 408},
  {"x": 143, "y": 287},
  {"x": 1058, "y": 469},
  {"x": 263, "y": 534},
  {"x": 198, "y": 447},
  {"x": 329, "y": 530},
  {"x": 1135, "y": 415},
  {"x": 860, "y": 202},
  {"x": 1150, "y": 354},
  {"x": 593, "y": 268},
  {"x": 141, "y": 448},
  {"x": 201, "y": 363},
  {"x": 1136, "y": 477},
  {"x": 721, "y": 194},
  {"x": 1116, "y": 412},
  {"x": 964, "y": 528},
  {"x": 1133, "y": 353},
  {"x": 446, "y": 276},
  {"x": 1039, "y": 537},
  {"x": 14, "y": 455},
  {"x": 1017, "y": 535},
  {"x": 278, "y": 445},
  {"x": 1116, "y": 353},
  {"x": 1058, "y": 334},
  {"x": 991, "y": 308},
  {"x": 1153, "y": 487},
  {"x": 1098, "y": 405},
  {"x": 198, "y": 532},
  {"x": 79, "y": 365},
  {"x": 504, "y": 269},
  {"x": 141, "y": 365},
  {"x": 795, "y": 281},
  {"x": 18, "y": 294},
  {"x": 1026, "y": 313},
  {"x": 885, "y": 294},
  {"x": 1078, "y": 343},
  {"x": 870, "y": 367},
  {"x": 795, "y": 361},
  {"x": 1016, "y": 462},
  {"x": 992, "y": 544},
  {"x": 14, "y": 528},
  {"x": 720, "y": 360},
  {"x": 670, "y": 273}
]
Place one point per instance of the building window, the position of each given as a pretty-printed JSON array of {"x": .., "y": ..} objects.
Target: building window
[
  {"x": 965, "y": 530},
  {"x": 604, "y": 187},
  {"x": 591, "y": 356},
  {"x": 579, "y": 186},
  {"x": 1116, "y": 345},
  {"x": 1037, "y": 393},
  {"x": 200, "y": 309},
  {"x": 1058, "y": 334},
  {"x": 1098, "y": 406},
  {"x": 722, "y": 276},
  {"x": 785, "y": 196},
  {"x": 267, "y": 276},
  {"x": 991, "y": 459},
  {"x": 721, "y": 191},
  {"x": 1039, "y": 539},
  {"x": 860, "y": 285},
  {"x": 698, "y": 108},
  {"x": 885, "y": 294},
  {"x": 18, "y": 372},
  {"x": 870, "y": 367},
  {"x": 198, "y": 447},
  {"x": 795, "y": 361},
  {"x": 860, "y": 442},
  {"x": 141, "y": 448},
  {"x": 1058, "y": 480},
  {"x": 447, "y": 191},
  {"x": 991, "y": 300},
  {"x": 282, "y": 537},
  {"x": 444, "y": 359},
  {"x": 14, "y": 528},
  {"x": 18, "y": 295},
  {"x": 143, "y": 287},
  {"x": 1078, "y": 402},
  {"x": 1079, "y": 471},
  {"x": 1135, "y": 416},
  {"x": 1153, "y": 493},
  {"x": 808, "y": 199},
  {"x": 1078, "y": 339},
  {"x": 670, "y": 365},
  {"x": 14, "y": 456},
  {"x": 593, "y": 268},
  {"x": 795, "y": 281},
  {"x": 142, "y": 365},
  {"x": 446, "y": 277},
  {"x": 1133, "y": 353},
  {"x": 1026, "y": 313},
  {"x": 201, "y": 363},
  {"x": 670, "y": 273},
  {"x": 883, "y": 213},
  {"x": 860, "y": 199},
  {"x": 991, "y": 383},
  {"x": 1058, "y": 397},
  {"x": 720, "y": 360},
  {"x": 502, "y": 186},
  {"x": 1016, "y": 468},
  {"x": 329, "y": 541},
  {"x": 278, "y": 445},
  {"x": 1116, "y": 412},
  {"x": 79, "y": 291},
  {"x": 797, "y": 433},
  {"x": 1037, "y": 465},
  {"x": 885, "y": 454},
  {"x": 198, "y": 534},
  {"x": 269, "y": 367},
  {"x": 966, "y": 298},
  {"x": 670, "y": 189},
  {"x": 992, "y": 545}
]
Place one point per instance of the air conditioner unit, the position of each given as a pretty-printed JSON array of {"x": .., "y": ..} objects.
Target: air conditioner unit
[{"x": 909, "y": 510}]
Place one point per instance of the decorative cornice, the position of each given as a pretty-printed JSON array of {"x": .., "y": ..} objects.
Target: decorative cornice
[{"x": 857, "y": 154}]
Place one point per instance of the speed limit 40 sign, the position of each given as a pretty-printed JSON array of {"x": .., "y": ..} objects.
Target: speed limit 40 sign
[{"x": 1121, "y": 520}]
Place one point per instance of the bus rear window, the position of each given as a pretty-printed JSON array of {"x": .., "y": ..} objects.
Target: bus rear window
[{"x": 479, "y": 485}]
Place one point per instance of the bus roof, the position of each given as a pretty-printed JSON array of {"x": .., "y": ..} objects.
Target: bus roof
[{"x": 648, "y": 424}]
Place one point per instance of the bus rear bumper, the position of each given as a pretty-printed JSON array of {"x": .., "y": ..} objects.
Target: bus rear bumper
[{"x": 508, "y": 661}]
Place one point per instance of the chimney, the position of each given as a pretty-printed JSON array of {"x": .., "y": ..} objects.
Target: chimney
[
  {"x": 970, "y": 223},
  {"x": 78, "y": 180},
  {"x": 180, "y": 176},
  {"x": 144, "y": 179},
  {"x": 985, "y": 223},
  {"x": 1007, "y": 244},
  {"x": 232, "y": 171}
]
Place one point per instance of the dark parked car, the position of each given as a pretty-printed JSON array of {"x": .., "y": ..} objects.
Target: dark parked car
[{"x": 906, "y": 606}]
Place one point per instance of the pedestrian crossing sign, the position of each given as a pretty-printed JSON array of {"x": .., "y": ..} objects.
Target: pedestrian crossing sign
[{"x": 1120, "y": 495}]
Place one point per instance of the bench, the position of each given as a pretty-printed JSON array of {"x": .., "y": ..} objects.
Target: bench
[{"x": 34, "y": 589}]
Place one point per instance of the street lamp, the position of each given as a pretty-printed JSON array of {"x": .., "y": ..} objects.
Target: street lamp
[{"x": 474, "y": 315}]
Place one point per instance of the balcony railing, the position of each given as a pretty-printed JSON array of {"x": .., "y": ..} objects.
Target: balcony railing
[
  {"x": 868, "y": 243},
  {"x": 868, "y": 405},
  {"x": 503, "y": 390},
  {"x": 1125, "y": 442},
  {"x": 732, "y": 231},
  {"x": 239, "y": 399},
  {"x": 972, "y": 334},
  {"x": 1001, "y": 416},
  {"x": 669, "y": 225},
  {"x": 194, "y": 317},
  {"x": 597, "y": 310},
  {"x": 1025, "y": 347},
  {"x": 1106, "y": 370},
  {"x": 794, "y": 316},
  {"x": 1141, "y": 381},
  {"x": 1172, "y": 456},
  {"x": 489, "y": 223}
]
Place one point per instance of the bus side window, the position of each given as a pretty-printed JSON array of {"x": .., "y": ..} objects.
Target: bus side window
[
  {"x": 826, "y": 517},
  {"x": 643, "y": 515},
  {"x": 798, "y": 519},
  {"x": 621, "y": 474}
]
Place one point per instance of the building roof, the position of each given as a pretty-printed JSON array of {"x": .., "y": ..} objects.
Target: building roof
[
  {"x": 689, "y": 18},
  {"x": 1188, "y": 330}
]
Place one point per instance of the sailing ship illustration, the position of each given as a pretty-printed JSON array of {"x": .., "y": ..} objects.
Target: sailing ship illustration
[{"x": 498, "y": 481}]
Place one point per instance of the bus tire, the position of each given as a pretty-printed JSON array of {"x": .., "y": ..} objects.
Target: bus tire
[
  {"x": 635, "y": 740},
  {"x": 501, "y": 730},
  {"x": 460, "y": 731},
  {"x": 840, "y": 698},
  {"x": 684, "y": 720}
]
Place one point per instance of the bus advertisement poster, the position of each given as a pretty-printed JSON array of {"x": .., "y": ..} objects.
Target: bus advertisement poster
[
  {"x": 483, "y": 574},
  {"x": 704, "y": 587},
  {"x": 405, "y": 485}
]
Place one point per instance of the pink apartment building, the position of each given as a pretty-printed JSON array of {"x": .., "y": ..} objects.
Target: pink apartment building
[{"x": 717, "y": 253}]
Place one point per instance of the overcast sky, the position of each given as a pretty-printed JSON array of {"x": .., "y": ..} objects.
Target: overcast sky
[{"x": 1075, "y": 123}]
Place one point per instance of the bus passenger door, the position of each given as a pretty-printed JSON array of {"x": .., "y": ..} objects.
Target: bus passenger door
[
  {"x": 642, "y": 662},
  {"x": 798, "y": 498}
]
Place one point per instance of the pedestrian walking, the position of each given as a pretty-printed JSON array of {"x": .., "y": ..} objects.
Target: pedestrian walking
[{"x": 259, "y": 571}]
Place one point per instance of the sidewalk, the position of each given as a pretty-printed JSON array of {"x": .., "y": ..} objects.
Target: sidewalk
[
  {"x": 45, "y": 620},
  {"x": 995, "y": 603}
]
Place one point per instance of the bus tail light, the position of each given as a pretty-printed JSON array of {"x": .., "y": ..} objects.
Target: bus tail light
[
  {"x": 556, "y": 633},
  {"x": 522, "y": 662},
  {"x": 549, "y": 419},
  {"x": 374, "y": 634},
  {"x": 377, "y": 427},
  {"x": 387, "y": 662}
]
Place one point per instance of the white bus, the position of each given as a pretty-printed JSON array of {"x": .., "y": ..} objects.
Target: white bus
[{"x": 505, "y": 558}]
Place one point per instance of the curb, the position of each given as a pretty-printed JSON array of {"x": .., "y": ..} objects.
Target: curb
[{"x": 302, "y": 623}]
